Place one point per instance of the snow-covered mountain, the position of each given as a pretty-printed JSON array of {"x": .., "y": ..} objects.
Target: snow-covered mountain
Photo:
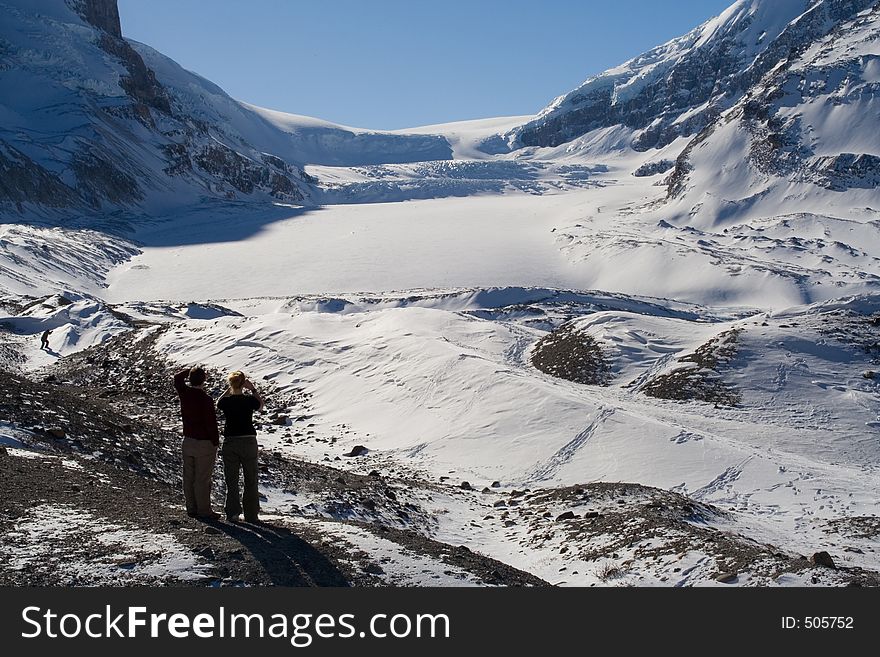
[
  {"x": 91, "y": 122},
  {"x": 679, "y": 87},
  {"x": 94, "y": 121}
]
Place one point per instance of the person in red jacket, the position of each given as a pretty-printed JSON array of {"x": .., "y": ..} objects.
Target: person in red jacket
[{"x": 200, "y": 441}]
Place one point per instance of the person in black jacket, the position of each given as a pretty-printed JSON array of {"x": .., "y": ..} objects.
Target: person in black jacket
[
  {"x": 240, "y": 449},
  {"x": 200, "y": 441}
]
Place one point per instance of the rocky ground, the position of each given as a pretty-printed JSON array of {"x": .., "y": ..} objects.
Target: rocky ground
[
  {"x": 98, "y": 449},
  {"x": 89, "y": 451}
]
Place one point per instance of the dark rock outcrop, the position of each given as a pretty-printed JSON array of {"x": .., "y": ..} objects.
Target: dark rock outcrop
[
  {"x": 103, "y": 14},
  {"x": 822, "y": 559},
  {"x": 24, "y": 181},
  {"x": 245, "y": 174},
  {"x": 571, "y": 354},
  {"x": 653, "y": 168}
]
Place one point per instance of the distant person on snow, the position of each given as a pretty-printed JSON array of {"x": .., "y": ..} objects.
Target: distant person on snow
[
  {"x": 44, "y": 339},
  {"x": 200, "y": 441},
  {"x": 240, "y": 449}
]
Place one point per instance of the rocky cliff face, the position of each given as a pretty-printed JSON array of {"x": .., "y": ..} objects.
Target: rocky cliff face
[{"x": 103, "y": 14}]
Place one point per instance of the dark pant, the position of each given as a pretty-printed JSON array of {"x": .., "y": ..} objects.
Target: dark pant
[
  {"x": 199, "y": 457},
  {"x": 240, "y": 454}
]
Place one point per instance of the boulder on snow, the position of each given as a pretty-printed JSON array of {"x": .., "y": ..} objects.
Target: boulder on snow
[
  {"x": 3, "y": 451},
  {"x": 822, "y": 559},
  {"x": 869, "y": 374},
  {"x": 568, "y": 515},
  {"x": 465, "y": 486},
  {"x": 725, "y": 578},
  {"x": 357, "y": 450},
  {"x": 496, "y": 484},
  {"x": 56, "y": 432}
]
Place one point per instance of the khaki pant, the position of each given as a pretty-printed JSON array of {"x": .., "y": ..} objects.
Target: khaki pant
[
  {"x": 199, "y": 457},
  {"x": 240, "y": 454}
]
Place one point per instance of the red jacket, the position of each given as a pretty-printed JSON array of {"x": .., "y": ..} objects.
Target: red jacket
[{"x": 197, "y": 409}]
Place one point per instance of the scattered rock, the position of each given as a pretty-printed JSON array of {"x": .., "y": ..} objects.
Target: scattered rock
[
  {"x": 725, "y": 578},
  {"x": 465, "y": 486},
  {"x": 869, "y": 374},
  {"x": 500, "y": 503},
  {"x": 56, "y": 432},
  {"x": 357, "y": 450},
  {"x": 591, "y": 514},
  {"x": 3, "y": 451},
  {"x": 822, "y": 559},
  {"x": 568, "y": 515},
  {"x": 496, "y": 484},
  {"x": 374, "y": 473},
  {"x": 373, "y": 569}
]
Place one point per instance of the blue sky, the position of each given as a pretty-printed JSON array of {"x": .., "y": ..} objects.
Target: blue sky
[{"x": 389, "y": 64}]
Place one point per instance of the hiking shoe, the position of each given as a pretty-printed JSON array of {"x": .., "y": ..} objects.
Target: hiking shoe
[
  {"x": 213, "y": 515},
  {"x": 234, "y": 519},
  {"x": 254, "y": 521}
]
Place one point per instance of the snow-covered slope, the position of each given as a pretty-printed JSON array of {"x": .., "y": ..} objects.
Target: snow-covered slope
[
  {"x": 758, "y": 427},
  {"x": 294, "y": 138}
]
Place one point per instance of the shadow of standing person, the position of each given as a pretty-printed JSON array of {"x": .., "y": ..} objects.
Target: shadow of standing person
[{"x": 287, "y": 559}]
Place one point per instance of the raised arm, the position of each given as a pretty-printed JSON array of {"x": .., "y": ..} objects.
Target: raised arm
[
  {"x": 180, "y": 380},
  {"x": 250, "y": 386}
]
